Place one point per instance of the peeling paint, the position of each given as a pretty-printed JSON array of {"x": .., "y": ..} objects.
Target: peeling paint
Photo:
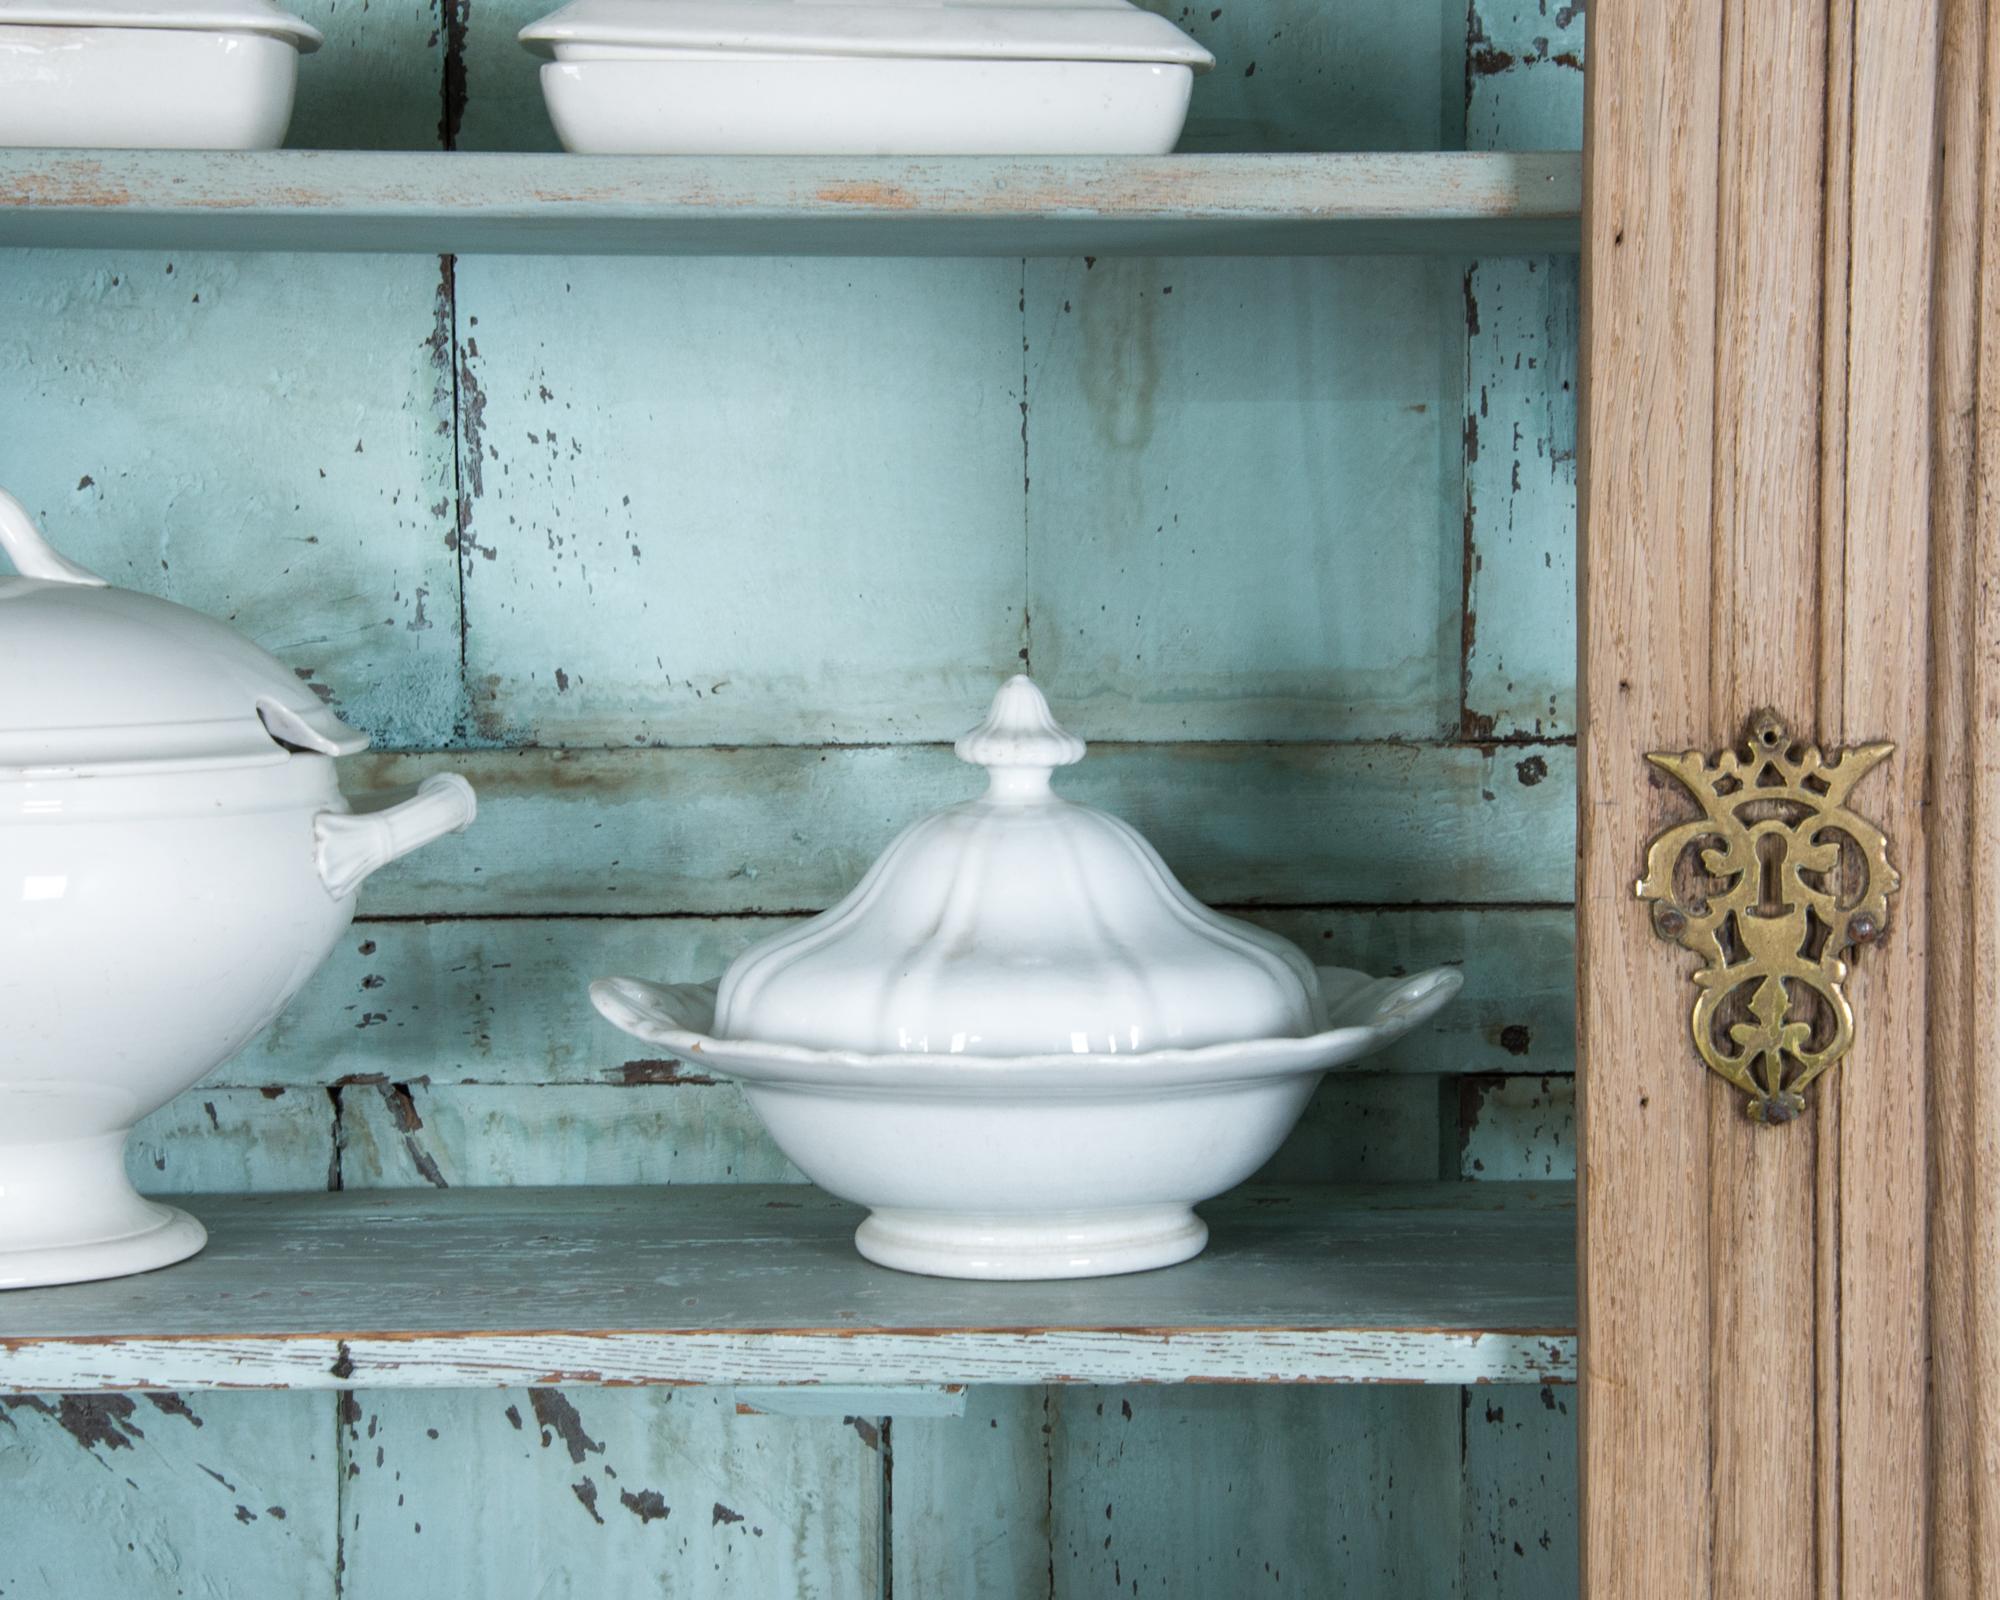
[
  {"x": 174, "y": 1406},
  {"x": 646, "y": 1504},
  {"x": 559, "y": 1420}
]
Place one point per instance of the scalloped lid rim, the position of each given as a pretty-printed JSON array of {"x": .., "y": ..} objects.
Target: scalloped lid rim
[
  {"x": 997, "y": 30},
  {"x": 206, "y": 16}
]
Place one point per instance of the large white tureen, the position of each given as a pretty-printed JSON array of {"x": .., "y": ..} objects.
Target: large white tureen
[
  {"x": 176, "y": 859},
  {"x": 1019, "y": 1041}
]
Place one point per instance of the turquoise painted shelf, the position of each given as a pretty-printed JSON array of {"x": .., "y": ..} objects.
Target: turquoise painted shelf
[
  {"x": 758, "y": 1285},
  {"x": 1479, "y": 202}
]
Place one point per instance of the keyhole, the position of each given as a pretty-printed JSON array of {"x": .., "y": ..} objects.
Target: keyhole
[{"x": 1770, "y": 876}]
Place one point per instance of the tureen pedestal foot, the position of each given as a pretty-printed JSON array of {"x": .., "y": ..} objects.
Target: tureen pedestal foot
[
  {"x": 1072, "y": 1244},
  {"x": 68, "y": 1214}
]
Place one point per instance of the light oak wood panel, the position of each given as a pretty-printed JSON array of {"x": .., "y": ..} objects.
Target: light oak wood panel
[
  {"x": 1650, "y": 153},
  {"x": 1765, "y": 574},
  {"x": 1964, "y": 798},
  {"x": 1879, "y": 1383},
  {"x": 1828, "y": 572}
]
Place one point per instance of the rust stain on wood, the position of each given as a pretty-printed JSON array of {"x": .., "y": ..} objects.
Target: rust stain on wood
[
  {"x": 636, "y": 1074},
  {"x": 69, "y": 183},
  {"x": 867, "y": 195}
]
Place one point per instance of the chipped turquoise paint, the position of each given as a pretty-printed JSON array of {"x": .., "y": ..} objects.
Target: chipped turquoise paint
[
  {"x": 781, "y": 503},
  {"x": 606, "y": 1494},
  {"x": 183, "y": 425},
  {"x": 719, "y": 830},
  {"x": 231, "y": 1496},
  {"x": 378, "y": 81},
  {"x": 1307, "y": 75},
  {"x": 1240, "y": 475},
  {"x": 1524, "y": 91},
  {"x": 665, "y": 446}
]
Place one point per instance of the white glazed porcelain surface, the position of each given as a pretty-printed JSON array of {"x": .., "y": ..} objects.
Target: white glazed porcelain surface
[
  {"x": 153, "y": 919},
  {"x": 1019, "y": 1041},
  {"x": 1017, "y": 924},
  {"x": 963, "y": 30},
  {"x": 158, "y": 88},
  {"x": 1049, "y": 1166},
  {"x": 846, "y": 106},
  {"x": 921, "y": 77},
  {"x": 142, "y": 682}
]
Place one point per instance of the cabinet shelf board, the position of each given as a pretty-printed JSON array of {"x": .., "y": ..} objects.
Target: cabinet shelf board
[
  {"x": 1481, "y": 202},
  {"x": 1447, "y": 1283}
]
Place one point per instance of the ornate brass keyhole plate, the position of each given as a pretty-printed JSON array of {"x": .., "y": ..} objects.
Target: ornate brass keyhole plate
[{"x": 1772, "y": 886}]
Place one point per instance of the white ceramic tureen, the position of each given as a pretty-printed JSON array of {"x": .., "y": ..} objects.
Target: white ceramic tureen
[
  {"x": 149, "y": 74},
  {"x": 884, "y": 77},
  {"x": 1020, "y": 1041},
  {"x": 175, "y": 861}
]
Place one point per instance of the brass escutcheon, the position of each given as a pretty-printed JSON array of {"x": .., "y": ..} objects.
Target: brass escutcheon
[{"x": 1772, "y": 886}]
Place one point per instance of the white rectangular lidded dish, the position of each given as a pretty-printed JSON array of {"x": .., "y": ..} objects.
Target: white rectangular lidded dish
[
  {"x": 890, "y": 77},
  {"x": 149, "y": 74}
]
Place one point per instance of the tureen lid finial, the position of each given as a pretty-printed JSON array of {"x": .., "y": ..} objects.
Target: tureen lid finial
[{"x": 1020, "y": 736}]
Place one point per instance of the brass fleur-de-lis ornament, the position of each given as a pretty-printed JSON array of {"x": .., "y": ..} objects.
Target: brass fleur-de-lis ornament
[{"x": 1772, "y": 886}]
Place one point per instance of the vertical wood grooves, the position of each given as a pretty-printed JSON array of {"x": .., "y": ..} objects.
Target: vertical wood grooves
[
  {"x": 1838, "y": 184},
  {"x": 1648, "y": 410},
  {"x": 1976, "y": 1266},
  {"x": 1964, "y": 1521},
  {"x": 1844, "y": 1359},
  {"x": 1954, "y": 1443},
  {"x": 1765, "y": 577},
  {"x": 1883, "y": 1163}
]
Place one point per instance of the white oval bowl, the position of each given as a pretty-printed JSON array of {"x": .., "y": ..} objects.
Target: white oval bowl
[
  {"x": 607, "y": 102},
  {"x": 145, "y": 88},
  {"x": 1058, "y": 1166}
]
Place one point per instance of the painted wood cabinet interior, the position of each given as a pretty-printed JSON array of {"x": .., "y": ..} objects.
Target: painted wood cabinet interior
[{"x": 694, "y": 566}]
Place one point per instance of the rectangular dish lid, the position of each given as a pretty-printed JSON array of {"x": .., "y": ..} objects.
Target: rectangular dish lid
[
  {"x": 203, "y": 16},
  {"x": 960, "y": 30}
]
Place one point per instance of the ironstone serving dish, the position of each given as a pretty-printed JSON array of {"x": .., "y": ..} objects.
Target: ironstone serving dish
[
  {"x": 1019, "y": 1041},
  {"x": 149, "y": 74},
  {"x": 176, "y": 860},
  {"x": 892, "y": 77}
]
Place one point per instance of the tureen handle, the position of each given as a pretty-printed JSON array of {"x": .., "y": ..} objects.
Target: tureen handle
[
  {"x": 33, "y": 556},
  {"x": 352, "y": 846}
]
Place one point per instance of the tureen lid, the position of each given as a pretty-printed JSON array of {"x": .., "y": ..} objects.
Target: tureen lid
[
  {"x": 96, "y": 678},
  {"x": 1001, "y": 30},
  {"x": 1018, "y": 923}
]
